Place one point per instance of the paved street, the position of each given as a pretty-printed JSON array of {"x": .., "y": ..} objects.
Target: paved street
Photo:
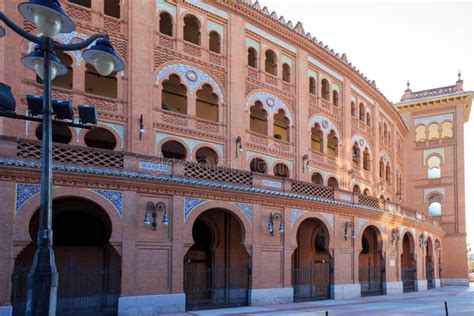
[{"x": 460, "y": 302}]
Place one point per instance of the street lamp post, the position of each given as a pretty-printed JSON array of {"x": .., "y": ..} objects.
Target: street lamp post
[{"x": 51, "y": 19}]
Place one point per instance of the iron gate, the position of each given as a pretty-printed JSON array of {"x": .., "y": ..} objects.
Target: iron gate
[
  {"x": 312, "y": 282},
  {"x": 215, "y": 286},
  {"x": 371, "y": 280},
  {"x": 80, "y": 292},
  {"x": 408, "y": 278},
  {"x": 429, "y": 276}
]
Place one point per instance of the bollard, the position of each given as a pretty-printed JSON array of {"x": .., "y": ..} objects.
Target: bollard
[
  {"x": 446, "y": 308},
  {"x": 327, "y": 313}
]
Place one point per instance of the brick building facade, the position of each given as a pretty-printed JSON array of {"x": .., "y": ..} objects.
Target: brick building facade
[{"x": 277, "y": 170}]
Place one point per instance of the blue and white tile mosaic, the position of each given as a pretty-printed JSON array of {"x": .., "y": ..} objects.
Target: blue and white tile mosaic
[
  {"x": 269, "y": 37},
  {"x": 325, "y": 68},
  {"x": 114, "y": 197},
  {"x": 166, "y": 6},
  {"x": 66, "y": 38},
  {"x": 329, "y": 217},
  {"x": 209, "y": 8},
  {"x": 270, "y": 160},
  {"x": 23, "y": 192},
  {"x": 246, "y": 208},
  {"x": 361, "y": 93},
  {"x": 270, "y": 102},
  {"x": 192, "y": 77},
  {"x": 190, "y": 204},
  {"x": 295, "y": 214},
  {"x": 437, "y": 118},
  {"x": 191, "y": 143},
  {"x": 325, "y": 124},
  {"x": 361, "y": 223}
]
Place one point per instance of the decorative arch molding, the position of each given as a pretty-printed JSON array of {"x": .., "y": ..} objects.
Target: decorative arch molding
[
  {"x": 428, "y": 153},
  {"x": 431, "y": 191},
  {"x": 29, "y": 207},
  {"x": 192, "y": 77},
  {"x": 197, "y": 206},
  {"x": 190, "y": 144},
  {"x": 379, "y": 229},
  {"x": 300, "y": 216},
  {"x": 326, "y": 125},
  {"x": 114, "y": 128},
  {"x": 362, "y": 142},
  {"x": 326, "y": 174},
  {"x": 162, "y": 5},
  {"x": 384, "y": 156},
  {"x": 269, "y": 160},
  {"x": 270, "y": 102}
]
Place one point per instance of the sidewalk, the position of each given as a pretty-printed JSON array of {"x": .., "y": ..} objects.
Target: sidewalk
[{"x": 460, "y": 302}]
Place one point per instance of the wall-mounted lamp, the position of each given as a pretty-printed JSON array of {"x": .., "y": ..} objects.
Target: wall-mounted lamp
[
  {"x": 275, "y": 217},
  {"x": 351, "y": 174},
  {"x": 349, "y": 224},
  {"x": 380, "y": 187},
  {"x": 142, "y": 127},
  {"x": 395, "y": 235},
  {"x": 399, "y": 195},
  {"x": 437, "y": 244},
  {"x": 305, "y": 162},
  {"x": 153, "y": 209},
  {"x": 422, "y": 240},
  {"x": 238, "y": 146}
]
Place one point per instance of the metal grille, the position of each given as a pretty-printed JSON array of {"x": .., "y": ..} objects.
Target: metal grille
[
  {"x": 73, "y": 155},
  {"x": 312, "y": 282},
  {"x": 369, "y": 201},
  {"x": 408, "y": 278},
  {"x": 202, "y": 171},
  {"x": 429, "y": 276},
  {"x": 370, "y": 279},
  {"x": 408, "y": 212},
  {"x": 312, "y": 189},
  {"x": 80, "y": 292},
  {"x": 215, "y": 287}
]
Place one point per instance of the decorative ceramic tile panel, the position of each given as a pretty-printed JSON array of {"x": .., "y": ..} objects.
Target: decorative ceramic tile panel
[
  {"x": 361, "y": 93},
  {"x": 427, "y": 152},
  {"x": 190, "y": 204},
  {"x": 213, "y": 26},
  {"x": 209, "y": 8},
  {"x": 361, "y": 141},
  {"x": 329, "y": 217},
  {"x": 325, "y": 174},
  {"x": 119, "y": 129},
  {"x": 270, "y": 102},
  {"x": 246, "y": 208},
  {"x": 286, "y": 59},
  {"x": 252, "y": 43},
  {"x": 272, "y": 184},
  {"x": 23, "y": 192},
  {"x": 66, "y": 38},
  {"x": 325, "y": 124},
  {"x": 295, "y": 214},
  {"x": 191, "y": 143},
  {"x": 312, "y": 73},
  {"x": 114, "y": 197},
  {"x": 325, "y": 68},
  {"x": 437, "y": 118},
  {"x": 360, "y": 223},
  {"x": 191, "y": 76},
  {"x": 164, "y": 5},
  {"x": 269, "y": 37},
  {"x": 428, "y": 191},
  {"x": 163, "y": 168},
  {"x": 384, "y": 156},
  {"x": 335, "y": 87},
  {"x": 270, "y": 160}
]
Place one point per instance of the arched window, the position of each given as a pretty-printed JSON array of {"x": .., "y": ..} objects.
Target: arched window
[
  {"x": 420, "y": 132},
  {"x": 317, "y": 138},
  {"x": 362, "y": 112},
  {"x": 367, "y": 192},
  {"x": 381, "y": 168},
  {"x": 252, "y": 57},
  {"x": 112, "y": 8},
  {"x": 281, "y": 126},
  {"x": 433, "y": 131},
  {"x": 353, "y": 109},
  {"x": 281, "y": 170},
  {"x": 61, "y": 134},
  {"x": 206, "y": 156},
  {"x": 356, "y": 154},
  {"x": 447, "y": 130},
  {"x": 192, "y": 33},
  {"x": 325, "y": 90},
  {"x": 173, "y": 150},
  {"x": 100, "y": 138},
  {"x": 333, "y": 143},
  {"x": 99, "y": 85},
  {"x": 64, "y": 81},
  {"x": 312, "y": 86},
  {"x": 166, "y": 23},
  {"x": 215, "y": 42},
  {"x": 286, "y": 72},
  {"x": 258, "y": 119},
  {"x": 356, "y": 189},
  {"x": 389, "y": 138},
  {"x": 84, "y": 3},
  {"x": 434, "y": 205},
  {"x": 366, "y": 160},
  {"x": 317, "y": 178},
  {"x": 207, "y": 106},
  {"x": 368, "y": 119},
  {"x": 434, "y": 167},
  {"x": 335, "y": 98},
  {"x": 388, "y": 173},
  {"x": 173, "y": 95},
  {"x": 258, "y": 165},
  {"x": 270, "y": 62},
  {"x": 332, "y": 182},
  {"x": 385, "y": 131}
]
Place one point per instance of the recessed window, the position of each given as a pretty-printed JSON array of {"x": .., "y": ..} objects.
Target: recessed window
[
  {"x": 206, "y": 156},
  {"x": 388, "y": 173},
  {"x": 332, "y": 182},
  {"x": 63, "y": 81},
  {"x": 258, "y": 119},
  {"x": 252, "y": 57},
  {"x": 312, "y": 86},
  {"x": 420, "y": 132},
  {"x": 84, "y": 3},
  {"x": 100, "y": 138},
  {"x": 332, "y": 145},
  {"x": 99, "y": 85},
  {"x": 207, "y": 104},
  {"x": 356, "y": 189},
  {"x": 317, "y": 178},
  {"x": 286, "y": 73},
  {"x": 258, "y": 165},
  {"x": 434, "y": 205},
  {"x": 434, "y": 167},
  {"x": 281, "y": 170},
  {"x": 447, "y": 130},
  {"x": 433, "y": 131},
  {"x": 215, "y": 42},
  {"x": 317, "y": 138},
  {"x": 366, "y": 161},
  {"x": 112, "y": 8},
  {"x": 173, "y": 150},
  {"x": 191, "y": 30},
  {"x": 173, "y": 95},
  {"x": 281, "y": 126},
  {"x": 61, "y": 134},
  {"x": 356, "y": 154},
  {"x": 353, "y": 109},
  {"x": 335, "y": 98},
  {"x": 361, "y": 112},
  {"x": 270, "y": 62},
  {"x": 166, "y": 24},
  {"x": 325, "y": 90}
]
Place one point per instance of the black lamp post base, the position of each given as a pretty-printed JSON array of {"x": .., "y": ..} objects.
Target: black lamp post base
[{"x": 42, "y": 284}]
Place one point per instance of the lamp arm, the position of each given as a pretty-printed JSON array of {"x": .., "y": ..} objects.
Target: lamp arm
[
  {"x": 80, "y": 45},
  {"x": 19, "y": 30}
]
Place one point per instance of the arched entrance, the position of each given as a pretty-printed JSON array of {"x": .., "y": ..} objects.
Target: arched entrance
[
  {"x": 371, "y": 263},
  {"x": 312, "y": 263},
  {"x": 429, "y": 263},
  {"x": 89, "y": 268},
  {"x": 217, "y": 266},
  {"x": 408, "y": 263}
]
